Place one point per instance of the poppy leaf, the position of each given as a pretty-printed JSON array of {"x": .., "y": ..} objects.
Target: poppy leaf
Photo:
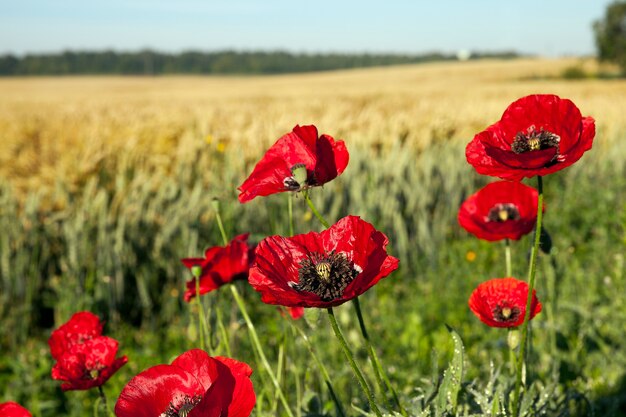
[{"x": 448, "y": 394}]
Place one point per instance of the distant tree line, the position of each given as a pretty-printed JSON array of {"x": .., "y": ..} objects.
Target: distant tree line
[
  {"x": 610, "y": 33},
  {"x": 149, "y": 62}
]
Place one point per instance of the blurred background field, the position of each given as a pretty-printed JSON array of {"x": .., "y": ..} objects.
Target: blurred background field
[{"x": 106, "y": 182}]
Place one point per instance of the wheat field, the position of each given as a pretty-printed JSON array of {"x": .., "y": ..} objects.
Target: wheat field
[{"x": 64, "y": 128}]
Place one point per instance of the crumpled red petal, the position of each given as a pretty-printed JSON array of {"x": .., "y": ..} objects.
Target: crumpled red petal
[
  {"x": 89, "y": 364},
  {"x": 323, "y": 157},
  {"x": 221, "y": 265},
  {"x": 81, "y": 327}
]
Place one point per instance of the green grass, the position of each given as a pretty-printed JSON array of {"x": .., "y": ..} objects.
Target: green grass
[{"x": 113, "y": 246}]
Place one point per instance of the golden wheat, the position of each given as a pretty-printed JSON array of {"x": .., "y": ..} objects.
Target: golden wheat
[{"x": 62, "y": 130}]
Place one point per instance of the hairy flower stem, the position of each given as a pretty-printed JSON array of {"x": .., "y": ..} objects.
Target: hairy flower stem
[
  {"x": 290, "y": 213},
  {"x": 201, "y": 320},
  {"x": 321, "y": 367},
  {"x": 531, "y": 285},
  {"x": 218, "y": 218},
  {"x": 222, "y": 329},
  {"x": 257, "y": 344},
  {"x": 353, "y": 365},
  {"x": 253, "y": 335},
  {"x": 309, "y": 346},
  {"x": 314, "y": 210},
  {"x": 379, "y": 372},
  {"x": 507, "y": 257},
  {"x": 105, "y": 402},
  {"x": 551, "y": 308}
]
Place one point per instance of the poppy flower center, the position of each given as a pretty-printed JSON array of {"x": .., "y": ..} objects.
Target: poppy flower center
[
  {"x": 534, "y": 140},
  {"x": 299, "y": 179},
  {"x": 502, "y": 212},
  {"x": 326, "y": 275},
  {"x": 184, "y": 408},
  {"x": 505, "y": 313}
]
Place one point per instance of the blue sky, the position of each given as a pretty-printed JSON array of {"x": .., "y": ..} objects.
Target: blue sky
[{"x": 545, "y": 27}]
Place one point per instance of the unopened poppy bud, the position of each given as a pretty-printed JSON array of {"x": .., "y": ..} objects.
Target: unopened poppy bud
[
  {"x": 196, "y": 271},
  {"x": 299, "y": 173},
  {"x": 216, "y": 204},
  {"x": 513, "y": 338}
]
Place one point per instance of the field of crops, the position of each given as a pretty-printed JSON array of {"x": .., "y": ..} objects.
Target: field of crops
[{"x": 106, "y": 183}]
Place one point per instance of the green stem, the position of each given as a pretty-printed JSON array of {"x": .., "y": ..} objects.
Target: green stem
[
  {"x": 507, "y": 257},
  {"x": 201, "y": 320},
  {"x": 531, "y": 286},
  {"x": 279, "y": 371},
  {"x": 321, "y": 367},
  {"x": 96, "y": 407},
  {"x": 379, "y": 372},
  {"x": 259, "y": 349},
  {"x": 350, "y": 358},
  {"x": 105, "y": 402},
  {"x": 290, "y": 213},
  {"x": 314, "y": 210},
  {"x": 225, "y": 338},
  {"x": 551, "y": 309},
  {"x": 253, "y": 335},
  {"x": 512, "y": 361},
  {"x": 218, "y": 217}
]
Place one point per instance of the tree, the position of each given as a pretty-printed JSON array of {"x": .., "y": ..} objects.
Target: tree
[{"x": 611, "y": 34}]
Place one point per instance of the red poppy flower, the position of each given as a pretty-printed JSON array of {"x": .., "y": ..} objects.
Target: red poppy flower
[
  {"x": 89, "y": 364},
  {"x": 321, "y": 269},
  {"x": 194, "y": 385},
  {"x": 322, "y": 157},
  {"x": 296, "y": 312},
  {"x": 500, "y": 210},
  {"x": 13, "y": 409},
  {"x": 537, "y": 135},
  {"x": 220, "y": 265},
  {"x": 501, "y": 302},
  {"x": 81, "y": 327}
]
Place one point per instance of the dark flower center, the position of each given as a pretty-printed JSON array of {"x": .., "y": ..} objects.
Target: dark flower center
[
  {"x": 299, "y": 179},
  {"x": 93, "y": 371},
  {"x": 502, "y": 212},
  {"x": 183, "y": 409},
  {"x": 534, "y": 140},
  {"x": 326, "y": 275},
  {"x": 504, "y": 313}
]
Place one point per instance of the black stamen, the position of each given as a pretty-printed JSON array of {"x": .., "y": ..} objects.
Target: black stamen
[
  {"x": 183, "y": 409},
  {"x": 502, "y": 212},
  {"x": 535, "y": 140},
  {"x": 291, "y": 184},
  {"x": 325, "y": 275},
  {"x": 504, "y": 313}
]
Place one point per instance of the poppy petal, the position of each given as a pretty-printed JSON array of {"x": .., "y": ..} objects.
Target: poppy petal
[
  {"x": 501, "y": 302},
  {"x": 278, "y": 261},
  {"x": 151, "y": 392},
  {"x": 547, "y": 132},
  {"x": 13, "y": 409},
  {"x": 323, "y": 157},
  {"x": 81, "y": 327},
  {"x": 521, "y": 200}
]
